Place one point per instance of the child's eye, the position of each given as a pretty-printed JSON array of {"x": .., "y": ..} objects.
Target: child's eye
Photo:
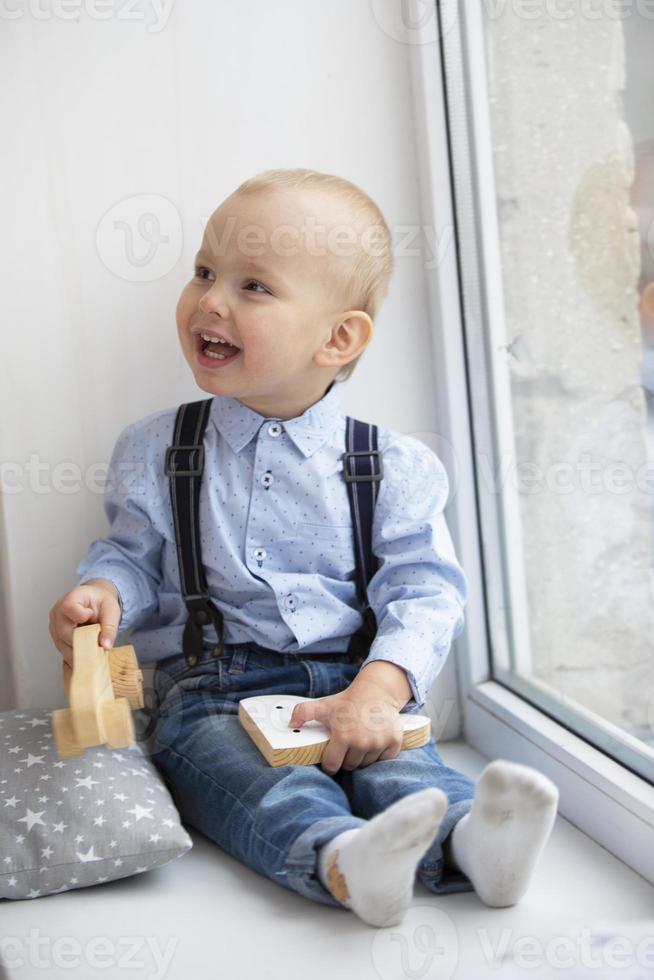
[
  {"x": 253, "y": 282},
  {"x": 199, "y": 269}
]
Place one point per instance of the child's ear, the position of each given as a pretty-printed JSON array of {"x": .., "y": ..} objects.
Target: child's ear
[
  {"x": 646, "y": 305},
  {"x": 348, "y": 339}
]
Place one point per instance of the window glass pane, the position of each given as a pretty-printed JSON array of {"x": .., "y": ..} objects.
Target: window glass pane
[{"x": 561, "y": 130}]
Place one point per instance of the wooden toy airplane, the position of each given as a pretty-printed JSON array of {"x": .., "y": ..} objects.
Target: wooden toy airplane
[
  {"x": 103, "y": 688},
  {"x": 265, "y": 718}
]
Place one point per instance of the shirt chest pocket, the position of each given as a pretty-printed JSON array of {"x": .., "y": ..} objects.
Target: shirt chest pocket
[
  {"x": 327, "y": 532},
  {"x": 326, "y": 549}
]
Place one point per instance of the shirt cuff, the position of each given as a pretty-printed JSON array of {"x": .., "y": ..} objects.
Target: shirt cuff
[{"x": 418, "y": 690}]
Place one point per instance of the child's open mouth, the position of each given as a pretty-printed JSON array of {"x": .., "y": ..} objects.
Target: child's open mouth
[{"x": 214, "y": 353}]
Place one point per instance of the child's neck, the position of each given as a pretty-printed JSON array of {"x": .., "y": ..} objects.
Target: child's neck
[{"x": 286, "y": 411}]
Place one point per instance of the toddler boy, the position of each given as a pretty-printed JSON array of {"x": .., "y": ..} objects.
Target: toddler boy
[{"x": 292, "y": 268}]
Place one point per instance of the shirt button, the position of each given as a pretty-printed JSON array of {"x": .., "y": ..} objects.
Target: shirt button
[
  {"x": 274, "y": 430},
  {"x": 267, "y": 479},
  {"x": 290, "y": 602},
  {"x": 259, "y": 554}
]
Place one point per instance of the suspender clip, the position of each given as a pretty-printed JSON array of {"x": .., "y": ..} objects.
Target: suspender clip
[
  {"x": 202, "y": 611},
  {"x": 351, "y": 477},
  {"x": 171, "y": 470}
]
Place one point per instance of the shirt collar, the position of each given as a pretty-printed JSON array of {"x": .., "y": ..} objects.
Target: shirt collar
[{"x": 238, "y": 423}]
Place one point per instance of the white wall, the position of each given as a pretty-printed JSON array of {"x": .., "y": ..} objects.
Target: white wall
[{"x": 183, "y": 107}]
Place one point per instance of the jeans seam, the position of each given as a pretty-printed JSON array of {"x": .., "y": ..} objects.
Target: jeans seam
[
  {"x": 228, "y": 792},
  {"x": 307, "y": 667}
]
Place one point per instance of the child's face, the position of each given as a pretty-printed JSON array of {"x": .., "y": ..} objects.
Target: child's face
[{"x": 256, "y": 285}]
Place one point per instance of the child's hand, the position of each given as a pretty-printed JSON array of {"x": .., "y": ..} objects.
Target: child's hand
[
  {"x": 94, "y": 602},
  {"x": 364, "y": 725}
]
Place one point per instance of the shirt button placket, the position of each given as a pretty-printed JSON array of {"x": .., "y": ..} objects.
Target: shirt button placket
[{"x": 267, "y": 479}]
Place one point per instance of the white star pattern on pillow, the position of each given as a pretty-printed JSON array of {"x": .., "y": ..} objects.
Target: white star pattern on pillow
[{"x": 70, "y": 823}]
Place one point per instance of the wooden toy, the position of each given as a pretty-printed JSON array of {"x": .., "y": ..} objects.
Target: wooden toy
[
  {"x": 265, "y": 719},
  {"x": 103, "y": 688}
]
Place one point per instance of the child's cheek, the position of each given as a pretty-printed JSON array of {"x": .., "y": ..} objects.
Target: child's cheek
[{"x": 185, "y": 305}]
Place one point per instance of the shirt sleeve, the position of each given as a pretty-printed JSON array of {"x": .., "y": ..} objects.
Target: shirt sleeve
[
  {"x": 130, "y": 555},
  {"x": 419, "y": 590}
]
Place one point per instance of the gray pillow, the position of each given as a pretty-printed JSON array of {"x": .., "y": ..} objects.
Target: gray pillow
[{"x": 70, "y": 823}]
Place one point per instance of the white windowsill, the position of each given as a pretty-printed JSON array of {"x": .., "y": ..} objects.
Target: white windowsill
[
  {"x": 224, "y": 919},
  {"x": 604, "y": 799}
]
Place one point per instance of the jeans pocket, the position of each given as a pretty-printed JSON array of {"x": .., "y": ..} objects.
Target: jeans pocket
[
  {"x": 254, "y": 678},
  {"x": 205, "y": 677}
]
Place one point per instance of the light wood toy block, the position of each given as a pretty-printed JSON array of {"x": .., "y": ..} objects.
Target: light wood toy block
[
  {"x": 265, "y": 719},
  {"x": 103, "y": 688}
]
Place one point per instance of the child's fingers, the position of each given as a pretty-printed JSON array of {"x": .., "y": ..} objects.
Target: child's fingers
[
  {"x": 316, "y": 710},
  {"x": 67, "y": 653},
  {"x": 299, "y": 715},
  {"x": 72, "y": 610},
  {"x": 61, "y": 631},
  {"x": 109, "y": 616},
  {"x": 79, "y": 606},
  {"x": 69, "y": 618},
  {"x": 78, "y": 616},
  {"x": 76, "y": 606}
]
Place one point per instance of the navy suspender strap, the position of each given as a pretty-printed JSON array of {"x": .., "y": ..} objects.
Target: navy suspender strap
[
  {"x": 362, "y": 471},
  {"x": 184, "y": 465}
]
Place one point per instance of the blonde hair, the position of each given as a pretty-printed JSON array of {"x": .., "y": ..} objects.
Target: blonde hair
[{"x": 366, "y": 282}]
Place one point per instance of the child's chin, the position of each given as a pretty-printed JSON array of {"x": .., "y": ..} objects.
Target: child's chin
[{"x": 211, "y": 381}]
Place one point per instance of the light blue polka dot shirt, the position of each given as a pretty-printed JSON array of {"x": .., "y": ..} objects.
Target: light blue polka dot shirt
[{"x": 277, "y": 540}]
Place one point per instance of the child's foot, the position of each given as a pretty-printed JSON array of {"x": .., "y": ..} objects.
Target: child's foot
[
  {"x": 497, "y": 843},
  {"x": 371, "y": 869}
]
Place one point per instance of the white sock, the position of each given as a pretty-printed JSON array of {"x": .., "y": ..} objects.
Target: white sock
[
  {"x": 497, "y": 843},
  {"x": 371, "y": 869}
]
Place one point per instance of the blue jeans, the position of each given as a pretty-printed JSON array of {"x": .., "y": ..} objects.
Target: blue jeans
[{"x": 275, "y": 819}]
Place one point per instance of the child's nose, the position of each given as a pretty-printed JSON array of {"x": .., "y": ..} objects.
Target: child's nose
[{"x": 213, "y": 301}]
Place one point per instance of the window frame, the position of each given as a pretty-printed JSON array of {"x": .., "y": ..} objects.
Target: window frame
[{"x": 603, "y": 798}]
